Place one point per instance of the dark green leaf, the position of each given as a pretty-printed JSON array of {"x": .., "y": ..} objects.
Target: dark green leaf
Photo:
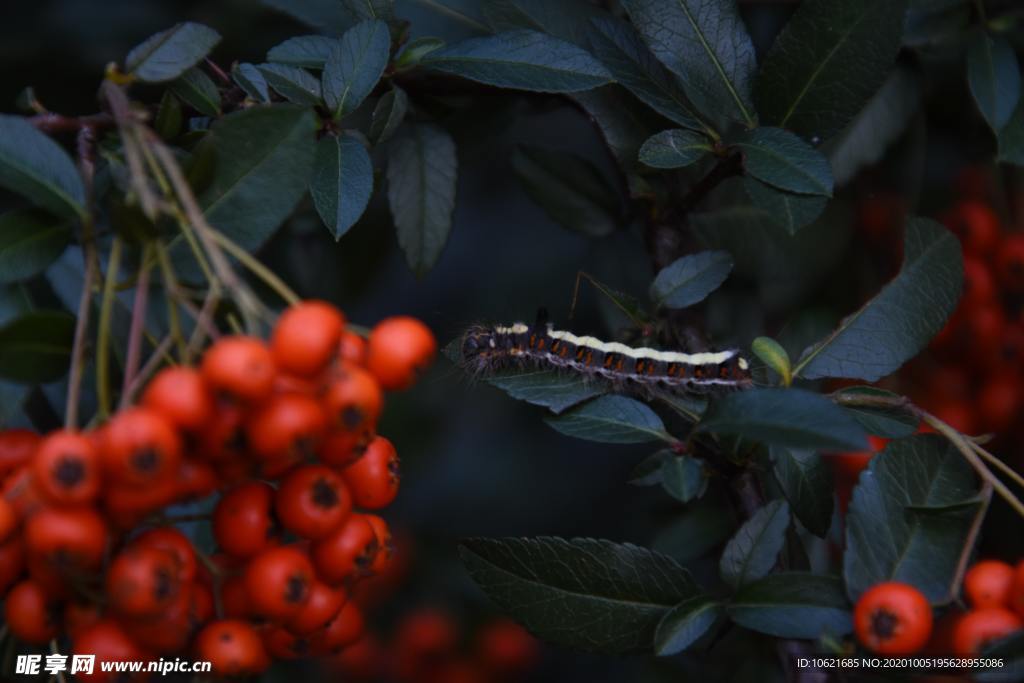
[
  {"x": 752, "y": 552},
  {"x": 553, "y": 390},
  {"x": 388, "y": 114},
  {"x": 570, "y": 189},
  {"x": 994, "y": 76},
  {"x": 168, "y": 54},
  {"x": 783, "y": 160},
  {"x": 167, "y": 123},
  {"x": 36, "y": 347},
  {"x": 197, "y": 90},
  {"x": 371, "y": 9},
  {"x": 891, "y": 328},
  {"x": 827, "y": 62},
  {"x": 30, "y": 241},
  {"x": 415, "y": 50},
  {"x": 422, "y": 171},
  {"x": 792, "y": 418},
  {"x": 567, "y": 20},
  {"x": 791, "y": 211},
  {"x": 889, "y": 423},
  {"x": 294, "y": 84},
  {"x": 707, "y": 46},
  {"x": 886, "y": 540},
  {"x": 310, "y": 52},
  {"x": 674, "y": 149},
  {"x": 342, "y": 182},
  {"x": 682, "y": 477},
  {"x": 611, "y": 419},
  {"x": 588, "y": 594},
  {"x": 36, "y": 167},
  {"x": 618, "y": 46},
  {"x": 1011, "y": 137},
  {"x": 524, "y": 60},
  {"x": 648, "y": 471},
  {"x": 793, "y": 605},
  {"x": 774, "y": 355},
  {"x": 354, "y": 66},
  {"x": 685, "y": 624},
  {"x": 249, "y": 79},
  {"x": 690, "y": 279},
  {"x": 806, "y": 481},
  {"x": 694, "y": 531}
]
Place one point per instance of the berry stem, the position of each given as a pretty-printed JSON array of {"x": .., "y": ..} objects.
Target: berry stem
[
  {"x": 103, "y": 334},
  {"x": 258, "y": 269},
  {"x": 138, "y": 324},
  {"x": 997, "y": 463}
]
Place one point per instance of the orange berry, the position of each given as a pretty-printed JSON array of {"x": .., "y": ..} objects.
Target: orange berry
[{"x": 398, "y": 350}]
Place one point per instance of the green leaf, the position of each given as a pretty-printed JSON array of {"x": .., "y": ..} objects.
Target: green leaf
[
  {"x": 793, "y": 418},
  {"x": 827, "y": 62},
  {"x": 555, "y": 391},
  {"x": 566, "y": 20},
  {"x": 920, "y": 547},
  {"x": 889, "y": 423},
  {"x": 342, "y": 182},
  {"x": 415, "y": 50},
  {"x": 354, "y": 66},
  {"x": 523, "y": 60},
  {"x": 793, "y": 605},
  {"x": 782, "y": 160},
  {"x": 774, "y": 356},
  {"x": 685, "y": 624},
  {"x": 688, "y": 280},
  {"x": 251, "y": 80},
  {"x": 682, "y": 477},
  {"x": 197, "y": 90},
  {"x": 168, "y": 54},
  {"x": 30, "y": 241},
  {"x": 570, "y": 189},
  {"x": 388, "y": 114},
  {"x": 806, "y": 481},
  {"x": 674, "y": 149},
  {"x": 36, "y": 347},
  {"x": 588, "y": 594},
  {"x": 422, "y": 171},
  {"x": 707, "y": 46},
  {"x": 611, "y": 419},
  {"x": 891, "y": 328},
  {"x": 292, "y": 83},
  {"x": 1011, "y": 137},
  {"x": 618, "y": 46},
  {"x": 994, "y": 76},
  {"x": 264, "y": 158},
  {"x": 693, "y": 532},
  {"x": 648, "y": 471},
  {"x": 309, "y": 52},
  {"x": 39, "y": 169},
  {"x": 371, "y": 9},
  {"x": 752, "y": 552},
  {"x": 168, "y": 120},
  {"x": 789, "y": 210}
]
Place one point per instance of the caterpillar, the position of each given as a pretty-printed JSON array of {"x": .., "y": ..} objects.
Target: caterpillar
[{"x": 489, "y": 349}]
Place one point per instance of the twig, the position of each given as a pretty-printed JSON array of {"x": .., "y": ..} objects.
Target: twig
[
  {"x": 219, "y": 72},
  {"x": 261, "y": 271},
  {"x": 57, "y": 123},
  {"x": 138, "y": 324},
  {"x": 128, "y": 126},
  {"x": 999, "y": 464},
  {"x": 725, "y": 168},
  {"x": 160, "y": 353},
  {"x": 103, "y": 334},
  {"x": 972, "y": 538}
]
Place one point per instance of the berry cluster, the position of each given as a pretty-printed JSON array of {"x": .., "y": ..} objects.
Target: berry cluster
[
  {"x": 895, "y": 618},
  {"x": 285, "y": 432}
]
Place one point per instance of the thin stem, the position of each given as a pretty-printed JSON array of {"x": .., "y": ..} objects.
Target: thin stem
[
  {"x": 999, "y": 464},
  {"x": 160, "y": 354},
  {"x": 258, "y": 269},
  {"x": 204, "y": 323},
  {"x": 171, "y": 290},
  {"x": 972, "y": 537},
  {"x": 103, "y": 334},
  {"x": 81, "y": 334},
  {"x": 138, "y": 324},
  {"x": 126, "y": 123},
  {"x": 725, "y": 168}
]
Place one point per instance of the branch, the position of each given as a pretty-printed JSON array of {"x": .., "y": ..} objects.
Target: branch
[{"x": 725, "y": 168}]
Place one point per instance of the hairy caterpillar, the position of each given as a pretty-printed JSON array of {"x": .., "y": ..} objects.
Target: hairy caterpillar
[{"x": 489, "y": 349}]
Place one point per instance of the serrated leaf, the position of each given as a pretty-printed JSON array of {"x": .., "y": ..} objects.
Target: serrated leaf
[
  {"x": 342, "y": 182},
  {"x": 589, "y": 594},
  {"x": 685, "y": 624},
  {"x": 30, "y": 240},
  {"x": 555, "y": 391},
  {"x": 251, "y": 80},
  {"x": 828, "y": 60},
  {"x": 900, "y": 320},
  {"x": 782, "y": 160},
  {"x": 36, "y": 347},
  {"x": 682, "y": 477},
  {"x": 168, "y": 54},
  {"x": 918, "y": 547},
  {"x": 674, "y": 149},
  {"x": 707, "y": 46},
  {"x": 570, "y": 189},
  {"x": 793, "y": 605},
  {"x": 354, "y": 66},
  {"x": 889, "y": 423},
  {"x": 994, "y": 76},
  {"x": 310, "y": 52},
  {"x": 292, "y": 83},
  {"x": 618, "y": 46},
  {"x": 39, "y": 169},
  {"x": 422, "y": 171},
  {"x": 611, "y": 419},
  {"x": 752, "y": 552},
  {"x": 689, "y": 280},
  {"x": 791, "y": 211},
  {"x": 774, "y": 356},
  {"x": 197, "y": 90},
  {"x": 806, "y": 481},
  {"x": 523, "y": 60},
  {"x": 793, "y": 418},
  {"x": 388, "y": 114}
]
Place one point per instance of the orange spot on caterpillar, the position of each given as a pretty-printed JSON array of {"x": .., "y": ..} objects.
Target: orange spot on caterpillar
[
  {"x": 533, "y": 340},
  {"x": 671, "y": 370},
  {"x": 608, "y": 360},
  {"x": 579, "y": 352},
  {"x": 554, "y": 346},
  {"x": 590, "y": 357},
  {"x": 540, "y": 343},
  {"x": 639, "y": 367}
]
